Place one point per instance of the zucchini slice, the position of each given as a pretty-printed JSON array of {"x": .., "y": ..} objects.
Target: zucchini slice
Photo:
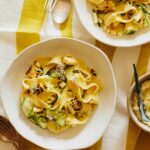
[
  {"x": 39, "y": 120},
  {"x": 130, "y": 28},
  {"x": 27, "y": 107},
  {"x": 42, "y": 122}
]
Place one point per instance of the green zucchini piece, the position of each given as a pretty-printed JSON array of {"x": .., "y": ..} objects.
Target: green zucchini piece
[
  {"x": 61, "y": 117},
  {"x": 42, "y": 122},
  {"x": 31, "y": 113},
  {"x": 60, "y": 121},
  {"x": 130, "y": 29},
  {"x": 27, "y": 107},
  {"x": 53, "y": 73},
  {"x": 50, "y": 114},
  {"x": 146, "y": 9},
  {"x": 39, "y": 120},
  {"x": 22, "y": 100},
  {"x": 95, "y": 19},
  {"x": 56, "y": 115},
  {"x": 147, "y": 19},
  {"x": 33, "y": 120}
]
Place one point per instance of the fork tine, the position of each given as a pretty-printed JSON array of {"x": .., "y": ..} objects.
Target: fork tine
[
  {"x": 5, "y": 122},
  {"x": 53, "y": 5},
  {"x": 23, "y": 147},
  {"x": 9, "y": 134},
  {"x": 49, "y": 5},
  {"x": 7, "y": 129},
  {"x": 6, "y": 133},
  {"x": 45, "y": 5},
  {"x": 3, "y": 125},
  {"x": 20, "y": 146}
]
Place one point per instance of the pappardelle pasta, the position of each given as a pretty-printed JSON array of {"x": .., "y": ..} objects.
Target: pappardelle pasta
[
  {"x": 121, "y": 17},
  {"x": 59, "y": 92}
]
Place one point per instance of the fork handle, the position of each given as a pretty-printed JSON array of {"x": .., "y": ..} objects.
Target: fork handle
[
  {"x": 19, "y": 146},
  {"x": 16, "y": 144}
]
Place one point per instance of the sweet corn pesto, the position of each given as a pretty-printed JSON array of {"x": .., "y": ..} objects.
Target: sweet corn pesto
[{"x": 145, "y": 91}]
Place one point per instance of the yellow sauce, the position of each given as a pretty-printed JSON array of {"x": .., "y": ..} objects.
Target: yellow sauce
[{"x": 145, "y": 92}]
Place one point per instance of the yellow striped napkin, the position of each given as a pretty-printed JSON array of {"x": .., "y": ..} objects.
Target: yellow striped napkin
[{"x": 24, "y": 22}]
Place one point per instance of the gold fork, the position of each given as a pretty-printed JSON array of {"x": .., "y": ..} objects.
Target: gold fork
[{"x": 8, "y": 134}]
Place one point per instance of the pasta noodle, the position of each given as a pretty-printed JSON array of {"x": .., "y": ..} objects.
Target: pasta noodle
[
  {"x": 59, "y": 92},
  {"x": 121, "y": 17}
]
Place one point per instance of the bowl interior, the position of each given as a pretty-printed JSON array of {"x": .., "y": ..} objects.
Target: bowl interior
[
  {"x": 85, "y": 15},
  {"x": 71, "y": 138},
  {"x": 130, "y": 97}
]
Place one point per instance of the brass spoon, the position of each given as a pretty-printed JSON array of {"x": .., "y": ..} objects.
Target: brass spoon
[
  {"x": 61, "y": 11},
  {"x": 8, "y": 134}
]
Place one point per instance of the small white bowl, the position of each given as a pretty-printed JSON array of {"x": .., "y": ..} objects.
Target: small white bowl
[
  {"x": 85, "y": 15},
  {"x": 74, "y": 138},
  {"x": 142, "y": 79}
]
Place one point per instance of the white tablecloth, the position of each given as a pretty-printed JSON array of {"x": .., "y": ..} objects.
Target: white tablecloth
[{"x": 18, "y": 16}]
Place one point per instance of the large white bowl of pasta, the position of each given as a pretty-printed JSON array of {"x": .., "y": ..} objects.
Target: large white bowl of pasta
[
  {"x": 54, "y": 100},
  {"x": 114, "y": 22}
]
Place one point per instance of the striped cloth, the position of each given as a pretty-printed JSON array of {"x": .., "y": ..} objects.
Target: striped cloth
[{"x": 24, "y": 22}]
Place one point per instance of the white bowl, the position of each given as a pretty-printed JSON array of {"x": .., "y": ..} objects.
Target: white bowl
[
  {"x": 74, "y": 138},
  {"x": 85, "y": 15}
]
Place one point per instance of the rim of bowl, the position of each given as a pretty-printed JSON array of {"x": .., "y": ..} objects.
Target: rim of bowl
[{"x": 143, "y": 126}]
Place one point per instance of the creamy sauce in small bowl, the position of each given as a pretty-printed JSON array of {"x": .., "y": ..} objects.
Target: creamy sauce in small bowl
[
  {"x": 145, "y": 92},
  {"x": 133, "y": 102}
]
